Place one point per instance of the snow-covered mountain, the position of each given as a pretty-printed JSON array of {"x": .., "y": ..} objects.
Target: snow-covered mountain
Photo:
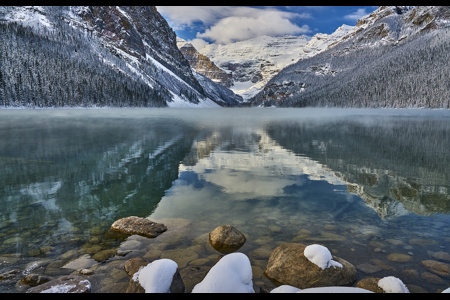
[
  {"x": 252, "y": 63},
  {"x": 397, "y": 56},
  {"x": 95, "y": 56}
]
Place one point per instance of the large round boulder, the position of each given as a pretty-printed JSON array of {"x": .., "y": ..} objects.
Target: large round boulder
[
  {"x": 226, "y": 239},
  {"x": 288, "y": 265}
]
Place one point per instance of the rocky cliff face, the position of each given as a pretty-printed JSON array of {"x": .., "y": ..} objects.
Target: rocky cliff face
[
  {"x": 392, "y": 24},
  {"x": 394, "y": 57},
  {"x": 139, "y": 31},
  {"x": 203, "y": 65}
]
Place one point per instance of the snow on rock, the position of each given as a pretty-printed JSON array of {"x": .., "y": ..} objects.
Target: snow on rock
[
  {"x": 157, "y": 276},
  {"x": 335, "y": 289},
  {"x": 285, "y": 288},
  {"x": 325, "y": 289},
  {"x": 392, "y": 284},
  {"x": 320, "y": 256},
  {"x": 231, "y": 274}
]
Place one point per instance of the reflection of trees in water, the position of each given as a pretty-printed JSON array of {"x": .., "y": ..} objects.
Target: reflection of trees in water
[
  {"x": 383, "y": 160},
  {"x": 94, "y": 172}
]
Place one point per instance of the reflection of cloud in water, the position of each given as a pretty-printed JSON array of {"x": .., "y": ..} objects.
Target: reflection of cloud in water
[
  {"x": 248, "y": 183},
  {"x": 266, "y": 171}
]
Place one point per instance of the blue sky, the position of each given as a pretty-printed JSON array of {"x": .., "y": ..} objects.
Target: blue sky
[{"x": 227, "y": 24}]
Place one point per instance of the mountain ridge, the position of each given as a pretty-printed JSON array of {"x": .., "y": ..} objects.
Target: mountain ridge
[
  {"x": 394, "y": 57},
  {"x": 95, "y": 56}
]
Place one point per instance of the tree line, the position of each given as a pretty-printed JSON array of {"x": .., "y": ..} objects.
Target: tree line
[
  {"x": 413, "y": 73},
  {"x": 57, "y": 68}
]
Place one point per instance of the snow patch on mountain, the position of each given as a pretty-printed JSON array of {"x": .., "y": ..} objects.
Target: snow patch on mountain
[
  {"x": 254, "y": 62},
  {"x": 178, "y": 102},
  {"x": 28, "y": 15}
]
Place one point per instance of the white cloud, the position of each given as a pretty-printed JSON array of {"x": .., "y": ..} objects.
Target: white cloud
[
  {"x": 225, "y": 24},
  {"x": 355, "y": 16},
  {"x": 198, "y": 43},
  {"x": 239, "y": 28},
  {"x": 182, "y": 16}
]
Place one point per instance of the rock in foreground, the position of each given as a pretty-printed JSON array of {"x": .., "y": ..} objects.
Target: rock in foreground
[
  {"x": 159, "y": 276},
  {"x": 226, "y": 239},
  {"x": 231, "y": 274},
  {"x": 288, "y": 265},
  {"x": 140, "y": 226}
]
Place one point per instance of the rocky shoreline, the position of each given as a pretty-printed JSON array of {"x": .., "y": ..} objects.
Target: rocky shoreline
[{"x": 113, "y": 270}]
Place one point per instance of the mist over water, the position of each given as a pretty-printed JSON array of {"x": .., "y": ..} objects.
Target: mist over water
[{"x": 364, "y": 183}]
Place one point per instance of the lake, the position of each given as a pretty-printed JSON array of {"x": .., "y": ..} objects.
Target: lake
[{"x": 372, "y": 185}]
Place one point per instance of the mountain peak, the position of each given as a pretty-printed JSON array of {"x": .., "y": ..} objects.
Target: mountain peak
[
  {"x": 95, "y": 56},
  {"x": 203, "y": 65},
  {"x": 255, "y": 61}
]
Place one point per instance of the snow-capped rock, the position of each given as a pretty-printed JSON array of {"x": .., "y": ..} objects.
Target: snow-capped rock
[
  {"x": 389, "y": 284},
  {"x": 156, "y": 277},
  {"x": 285, "y": 288},
  {"x": 231, "y": 274},
  {"x": 320, "y": 290},
  {"x": 392, "y": 284},
  {"x": 320, "y": 256}
]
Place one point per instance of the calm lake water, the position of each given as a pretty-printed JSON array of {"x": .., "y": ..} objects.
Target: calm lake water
[{"x": 371, "y": 185}]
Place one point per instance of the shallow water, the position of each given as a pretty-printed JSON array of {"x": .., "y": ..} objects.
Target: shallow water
[{"x": 371, "y": 185}]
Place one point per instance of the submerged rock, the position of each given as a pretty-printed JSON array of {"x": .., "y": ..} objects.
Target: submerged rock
[
  {"x": 9, "y": 275},
  {"x": 104, "y": 255},
  {"x": 83, "y": 262},
  {"x": 64, "y": 284},
  {"x": 33, "y": 279},
  {"x": 181, "y": 256},
  {"x": 437, "y": 267},
  {"x": 226, "y": 239},
  {"x": 140, "y": 226},
  {"x": 441, "y": 255},
  {"x": 399, "y": 257}
]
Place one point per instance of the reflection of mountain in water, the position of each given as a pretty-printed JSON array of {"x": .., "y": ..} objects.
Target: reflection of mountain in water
[
  {"x": 253, "y": 150},
  {"x": 84, "y": 173},
  {"x": 395, "y": 166},
  {"x": 235, "y": 172}
]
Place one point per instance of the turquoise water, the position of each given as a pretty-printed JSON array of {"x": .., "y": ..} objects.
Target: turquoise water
[{"x": 365, "y": 183}]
